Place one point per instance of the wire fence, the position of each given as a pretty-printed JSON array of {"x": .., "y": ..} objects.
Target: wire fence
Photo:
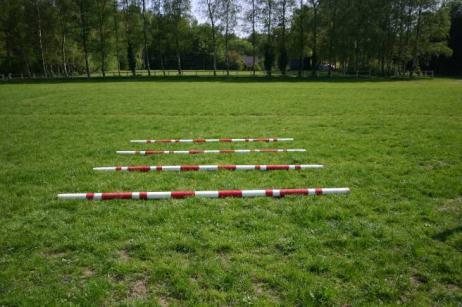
[{"x": 206, "y": 73}]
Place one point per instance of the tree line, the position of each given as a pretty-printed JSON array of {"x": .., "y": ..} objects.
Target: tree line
[{"x": 70, "y": 37}]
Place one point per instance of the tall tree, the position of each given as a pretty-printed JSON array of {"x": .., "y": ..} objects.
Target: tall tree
[
  {"x": 65, "y": 11},
  {"x": 283, "y": 8},
  {"x": 177, "y": 12},
  {"x": 267, "y": 21},
  {"x": 314, "y": 57},
  {"x": 301, "y": 39},
  {"x": 102, "y": 8},
  {"x": 212, "y": 8},
  {"x": 131, "y": 34},
  {"x": 40, "y": 36},
  {"x": 228, "y": 19},
  {"x": 83, "y": 7},
  {"x": 455, "y": 36},
  {"x": 116, "y": 33},
  {"x": 145, "y": 37},
  {"x": 251, "y": 16},
  {"x": 158, "y": 33}
]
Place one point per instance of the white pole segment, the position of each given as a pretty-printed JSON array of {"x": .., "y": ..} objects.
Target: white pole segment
[
  {"x": 213, "y": 140},
  {"x": 205, "y": 194},
  {"x": 158, "y": 168},
  {"x": 197, "y": 151}
]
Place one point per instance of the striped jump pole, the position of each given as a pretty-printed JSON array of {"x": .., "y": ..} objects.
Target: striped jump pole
[
  {"x": 213, "y": 140},
  {"x": 204, "y": 194},
  {"x": 198, "y": 151},
  {"x": 159, "y": 168}
]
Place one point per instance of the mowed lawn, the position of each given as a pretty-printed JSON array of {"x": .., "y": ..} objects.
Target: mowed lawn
[{"x": 397, "y": 238}]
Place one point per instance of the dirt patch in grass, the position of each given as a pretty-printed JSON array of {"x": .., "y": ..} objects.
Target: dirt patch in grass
[
  {"x": 163, "y": 302},
  {"x": 138, "y": 290},
  {"x": 451, "y": 205},
  {"x": 262, "y": 290},
  {"x": 52, "y": 254},
  {"x": 124, "y": 256},
  {"x": 88, "y": 272},
  {"x": 418, "y": 279}
]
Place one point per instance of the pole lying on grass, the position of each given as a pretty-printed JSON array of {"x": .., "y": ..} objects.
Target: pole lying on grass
[
  {"x": 204, "y": 194},
  {"x": 213, "y": 140},
  {"x": 199, "y": 151},
  {"x": 158, "y": 168}
]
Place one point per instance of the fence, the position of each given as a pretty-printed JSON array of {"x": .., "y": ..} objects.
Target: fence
[{"x": 199, "y": 73}]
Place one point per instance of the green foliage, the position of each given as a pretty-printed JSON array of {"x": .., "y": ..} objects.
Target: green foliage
[{"x": 389, "y": 36}]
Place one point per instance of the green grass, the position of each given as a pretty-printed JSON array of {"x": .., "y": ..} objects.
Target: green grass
[{"x": 397, "y": 238}]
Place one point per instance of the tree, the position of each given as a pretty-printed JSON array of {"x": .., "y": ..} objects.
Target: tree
[
  {"x": 267, "y": 21},
  {"x": 251, "y": 17},
  {"x": 301, "y": 41},
  {"x": 145, "y": 36},
  {"x": 314, "y": 57},
  {"x": 283, "y": 7},
  {"x": 455, "y": 36},
  {"x": 229, "y": 10},
  {"x": 158, "y": 32},
  {"x": 102, "y": 21},
  {"x": 213, "y": 12},
  {"x": 133, "y": 30},
  {"x": 115, "y": 13},
  {"x": 177, "y": 12},
  {"x": 38, "y": 19},
  {"x": 84, "y": 8},
  {"x": 65, "y": 10}
]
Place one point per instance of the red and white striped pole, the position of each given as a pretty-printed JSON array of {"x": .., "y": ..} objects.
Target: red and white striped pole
[
  {"x": 213, "y": 140},
  {"x": 199, "y": 151},
  {"x": 158, "y": 168},
  {"x": 205, "y": 194}
]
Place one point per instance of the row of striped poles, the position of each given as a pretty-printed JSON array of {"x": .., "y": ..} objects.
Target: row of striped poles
[
  {"x": 213, "y": 140},
  {"x": 204, "y": 194},
  {"x": 158, "y": 168},
  {"x": 205, "y": 151}
]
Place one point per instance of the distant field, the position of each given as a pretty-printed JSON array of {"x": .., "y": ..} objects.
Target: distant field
[{"x": 397, "y": 238}]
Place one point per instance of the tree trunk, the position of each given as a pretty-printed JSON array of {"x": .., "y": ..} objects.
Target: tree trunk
[
  {"x": 63, "y": 45},
  {"x": 214, "y": 43},
  {"x": 331, "y": 38},
  {"x": 178, "y": 60},
  {"x": 116, "y": 30},
  {"x": 315, "y": 41},
  {"x": 102, "y": 38},
  {"x": 269, "y": 40},
  {"x": 226, "y": 37},
  {"x": 301, "y": 42},
  {"x": 162, "y": 66},
  {"x": 253, "y": 37},
  {"x": 63, "y": 54},
  {"x": 415, "y": 55},
  {"x": 130, "y": 51},
  {"x": 8, "y": 48},
  {"x": 39, "y": 32},
  {"x": 83, "y": 28},
  {"x": 283, "y": 69},
  {"x": 146, "y": 53}
]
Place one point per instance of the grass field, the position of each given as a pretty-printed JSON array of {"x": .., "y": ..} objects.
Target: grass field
[{"x": 397, "y": 238}]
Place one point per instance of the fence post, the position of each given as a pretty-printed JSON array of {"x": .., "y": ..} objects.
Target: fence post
[{"x": 10, "y": 76}]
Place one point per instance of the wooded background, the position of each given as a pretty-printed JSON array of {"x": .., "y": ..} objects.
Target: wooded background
[{"x": 384, "y": 37}]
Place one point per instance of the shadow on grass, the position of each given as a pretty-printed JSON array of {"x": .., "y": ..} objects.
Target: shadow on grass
[
  {"x": 444, "y": 235},
  {"x": 231, "y": 79}
]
